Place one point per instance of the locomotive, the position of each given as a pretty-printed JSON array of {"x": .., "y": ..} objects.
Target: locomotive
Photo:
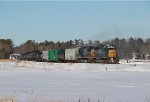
[
  {"x": 85, "y": 54},
  {"x": 92, "y": 54}
]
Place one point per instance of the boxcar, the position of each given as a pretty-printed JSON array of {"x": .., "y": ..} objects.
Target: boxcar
[
  {"x": 53, "y": 55},
  {"x": 32, "y": 56},
  {"x": 61, "y": 55},
  {"x": 71, "y": 54},
  {"x": 45, "y": 55}
]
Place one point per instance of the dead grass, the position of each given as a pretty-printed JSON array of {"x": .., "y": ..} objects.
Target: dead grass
[
  {"x": 8, "y": 99},
  {"x": 5, "y": 60}
]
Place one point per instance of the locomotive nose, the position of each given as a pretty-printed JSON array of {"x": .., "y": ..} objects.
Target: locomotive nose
[
  {"x": 93, "y": 53},
  {"x": 112, "y": 53}
]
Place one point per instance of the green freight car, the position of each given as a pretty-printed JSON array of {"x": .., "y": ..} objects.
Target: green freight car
[{"x": 53, "y": 55}]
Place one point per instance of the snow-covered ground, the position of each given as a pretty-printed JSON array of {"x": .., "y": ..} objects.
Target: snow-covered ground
[{"x": 34, "y": 81}]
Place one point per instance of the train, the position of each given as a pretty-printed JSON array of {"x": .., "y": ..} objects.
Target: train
[{"x": 84, "y": 54}]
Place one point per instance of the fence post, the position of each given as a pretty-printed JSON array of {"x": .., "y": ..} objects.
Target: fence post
[
  {"x": 79, "y": 99},
  {"x": 89, "y": 100}
]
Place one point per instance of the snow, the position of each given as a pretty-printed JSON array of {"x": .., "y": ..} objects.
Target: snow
[{"x": 28, "y": 81}]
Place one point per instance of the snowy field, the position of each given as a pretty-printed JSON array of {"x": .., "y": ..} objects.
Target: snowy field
[{"x": 41, "y": 81}]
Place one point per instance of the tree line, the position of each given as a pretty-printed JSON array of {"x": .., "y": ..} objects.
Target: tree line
[
  {"x": 6, "y": 48},
  {"x": 124, "y": 46}
]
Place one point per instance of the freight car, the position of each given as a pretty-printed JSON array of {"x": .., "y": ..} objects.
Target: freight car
[
  {"x": 53, "y": 55},
  {"x": 32, "y": 56},
  {"x": 71, "y": 55},
  {"x": 45, "y": 56}
]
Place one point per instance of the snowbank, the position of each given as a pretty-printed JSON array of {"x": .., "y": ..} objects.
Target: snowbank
[
  {"x": 29, "y": 81},
  {"x": 91, "y": 67}
]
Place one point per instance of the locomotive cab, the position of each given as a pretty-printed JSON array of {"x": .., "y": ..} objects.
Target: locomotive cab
[{"x": 112, "y": 54}]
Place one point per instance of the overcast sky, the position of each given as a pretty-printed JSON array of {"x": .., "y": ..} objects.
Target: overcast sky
[{"x": 64, "y": 20}]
